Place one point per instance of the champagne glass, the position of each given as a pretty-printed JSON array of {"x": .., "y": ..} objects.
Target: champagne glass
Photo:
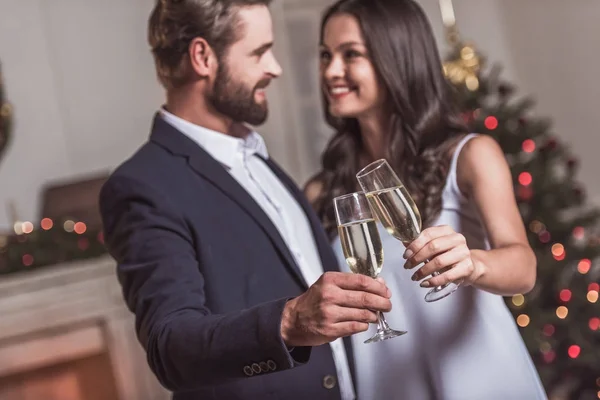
[
  {"x": 362, "y": 247},
  {"x": 397, "y": 211}
]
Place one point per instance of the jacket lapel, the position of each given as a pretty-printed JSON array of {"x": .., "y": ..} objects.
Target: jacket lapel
[
  {"x": 328, "y": 259},
  {"x": 202, "y": 163}
]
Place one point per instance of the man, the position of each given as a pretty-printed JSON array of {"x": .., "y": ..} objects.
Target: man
[{"x": 219, "y": 255}]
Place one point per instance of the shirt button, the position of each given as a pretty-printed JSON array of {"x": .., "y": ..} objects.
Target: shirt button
[
  {"x": 329, "y": 381},
  {"x": 248, "y": 370},
  {"x": 271, "y": 364}
]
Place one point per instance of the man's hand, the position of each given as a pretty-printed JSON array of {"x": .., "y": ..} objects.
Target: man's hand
[{"x": 337, "y": 305}]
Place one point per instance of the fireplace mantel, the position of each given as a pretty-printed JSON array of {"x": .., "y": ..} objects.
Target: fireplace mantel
[{"x": 66, "y": 313}]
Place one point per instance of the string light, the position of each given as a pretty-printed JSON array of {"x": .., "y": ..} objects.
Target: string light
[
  {"x": 565, "y": 295},
  {"x": 27, "y": 227},
  {"x": 558, "y": 252},
  {"x": 548, "y": 330},
  {"x": 525, "y": 178},
  {"x": 528, "y": 146},
  {"x": 574, "y": 351},
  {"x": 83, "y": 244},
  {"x": 523, "y": 320},
  {"x": 549, "y": 356},
  {"x": 525, "y": 193},
  {"x": 594, "y": 324},
  {"x": 545, "y": 347},
  {"x": 545, "y": 237},
  {"x": 18, "y": 228},
  {"x": 69, "y": 226},
  {"x": 46, "y": 224},
  {"x": 562, "y": 312},
  {"x": 578, "y": 232},
  {"x": 518, "y": 300},
  {"x": 536, "y": 227},
  {"x": 584, "y": 266},
  {"x": 27, "y": 260},
  {"x": 491, "y": 123},
  {"x": 79, "y": 228},
  {"x": 592, "y": 296},
  {"x": 594, "y": 286}
]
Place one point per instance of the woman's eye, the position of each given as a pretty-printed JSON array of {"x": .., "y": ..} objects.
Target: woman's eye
[
  {"x": 350, "y": 54},
  {"x": 324, "y": 56}
]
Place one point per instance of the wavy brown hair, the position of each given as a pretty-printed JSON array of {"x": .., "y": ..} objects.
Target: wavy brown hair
[
  {"x": 173, "y": 24},
  {"x": 424, "y": 119}
]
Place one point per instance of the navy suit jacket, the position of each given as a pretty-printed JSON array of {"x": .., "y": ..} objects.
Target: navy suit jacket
[{"x": 207, "y": 275}]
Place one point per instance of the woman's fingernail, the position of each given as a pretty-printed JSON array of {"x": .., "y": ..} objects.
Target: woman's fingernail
[
  {"x": 425, "y": 284},
  {"x": 415, "y": 277},
  {"x": 408, "y": 253}
]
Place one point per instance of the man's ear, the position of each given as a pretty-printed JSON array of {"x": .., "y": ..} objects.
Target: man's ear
[{"x": 202, "y": 57}]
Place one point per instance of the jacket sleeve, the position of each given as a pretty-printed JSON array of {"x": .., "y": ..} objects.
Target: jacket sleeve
[{"x": 187, "y": 346}]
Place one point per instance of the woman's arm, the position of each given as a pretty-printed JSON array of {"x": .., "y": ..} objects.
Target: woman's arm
[
  {"x": 510, "y": 266},
  {"x": 484, "y": 176}
]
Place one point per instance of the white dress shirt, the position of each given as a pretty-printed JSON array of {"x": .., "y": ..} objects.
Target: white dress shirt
[{"x": 242, "y": 159}]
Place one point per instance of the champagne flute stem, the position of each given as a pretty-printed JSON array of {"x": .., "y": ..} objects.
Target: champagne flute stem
[{"x": 382, "y": 324}]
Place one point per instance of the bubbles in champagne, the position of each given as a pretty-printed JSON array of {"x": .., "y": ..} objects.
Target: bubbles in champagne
[
  {"x": 362, "y": 247},
  {"x": 398, "y": 213}
]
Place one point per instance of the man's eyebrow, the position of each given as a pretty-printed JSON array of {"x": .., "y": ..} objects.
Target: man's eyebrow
[{"x": 259, "y": 51}]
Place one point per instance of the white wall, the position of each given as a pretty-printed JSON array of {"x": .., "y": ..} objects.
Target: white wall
[
  {"x": 556, "y": 53},
  {"x": 81, "y": 80}
]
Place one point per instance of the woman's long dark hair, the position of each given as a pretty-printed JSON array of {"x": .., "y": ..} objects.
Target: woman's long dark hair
[{"x": 425, "y": 123}]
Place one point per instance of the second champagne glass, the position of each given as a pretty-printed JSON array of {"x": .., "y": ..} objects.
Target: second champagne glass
[
  {"x": 396, "y": 210},
  {"x": 362, "y": 247}
]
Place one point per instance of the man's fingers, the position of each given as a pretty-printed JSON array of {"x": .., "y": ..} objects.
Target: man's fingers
[
  {"x": 347, "y": 314},
  {"x": 357, "y": 282},
  {"x": 343, "y": 329},
  {"x": 364, "y": 300}
]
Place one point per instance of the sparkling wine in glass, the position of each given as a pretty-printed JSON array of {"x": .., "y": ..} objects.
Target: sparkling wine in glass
[
  {"x": 396, "y": 210},
  {"x": 362, "y": 247}
]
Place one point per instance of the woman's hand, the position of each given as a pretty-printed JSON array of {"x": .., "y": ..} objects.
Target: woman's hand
[{"x": 445, "y": 251}]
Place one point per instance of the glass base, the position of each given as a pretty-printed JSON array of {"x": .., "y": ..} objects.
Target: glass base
[
  {"x": 380, "y": 336},
  {"x": 440, "y": 292}
]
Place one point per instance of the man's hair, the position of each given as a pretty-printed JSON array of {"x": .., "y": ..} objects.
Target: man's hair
[{"x": 173, "y": 24}]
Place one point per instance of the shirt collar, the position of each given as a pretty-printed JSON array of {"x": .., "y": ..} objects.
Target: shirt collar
[{"x": 220, "y": 146}]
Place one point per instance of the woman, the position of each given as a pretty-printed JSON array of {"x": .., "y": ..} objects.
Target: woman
[{"x": 386, "y": 97}]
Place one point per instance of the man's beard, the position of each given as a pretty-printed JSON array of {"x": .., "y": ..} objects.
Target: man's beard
[{"x": 236, "y": 100}]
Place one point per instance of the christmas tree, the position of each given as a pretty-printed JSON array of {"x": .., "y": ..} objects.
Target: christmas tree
[{"x": 559, "y": 319}]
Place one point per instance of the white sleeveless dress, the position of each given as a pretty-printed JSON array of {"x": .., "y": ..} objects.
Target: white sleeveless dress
[{"x": 463, "y": 347}]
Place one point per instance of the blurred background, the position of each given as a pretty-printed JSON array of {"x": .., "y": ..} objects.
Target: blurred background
[{"x": 77, "y": 94}]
